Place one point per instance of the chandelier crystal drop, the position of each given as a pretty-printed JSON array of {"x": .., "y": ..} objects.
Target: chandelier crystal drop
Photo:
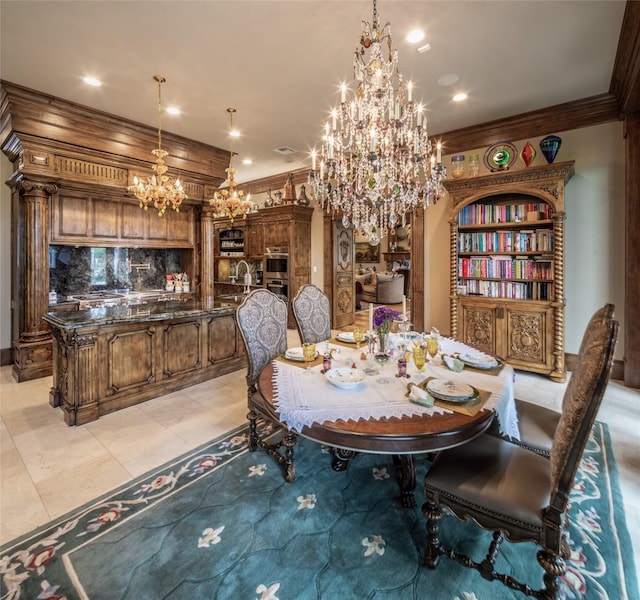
[
  {"x": 230, "y": 202},
  {"x": 159, "y": 190},
  {"x": 376, "y": 161}
]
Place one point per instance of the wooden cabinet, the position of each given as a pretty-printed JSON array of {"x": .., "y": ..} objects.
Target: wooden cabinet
[
  {"x": 507, "y": 265},
  {"x": 84, "y": 221}
]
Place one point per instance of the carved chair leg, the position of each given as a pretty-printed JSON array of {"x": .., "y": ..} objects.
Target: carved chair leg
[
  {"x": 554, "y": 568},
  {"x": 290, "y": 440},
  {"x": 433, "y": 513},
  {"x": 253, "y": 430}
]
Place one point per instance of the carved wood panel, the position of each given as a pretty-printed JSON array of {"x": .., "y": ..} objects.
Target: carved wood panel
[
  {"x": 122, "y": 371},
  {"x": 181, "y": 348},
  {"x": 479, "y": 327},
  {"x": 222, "y": 341}
]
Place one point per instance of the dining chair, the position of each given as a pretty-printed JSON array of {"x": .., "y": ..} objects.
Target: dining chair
[
  {"x": 262, "y": 320},
  {"x": 537, "y": 423},
  {"x": 517, "y": 493},
  {"x": 312, "y": 313}
]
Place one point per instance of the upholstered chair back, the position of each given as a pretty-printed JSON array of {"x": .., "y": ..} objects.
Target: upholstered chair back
[
  {"x": 262, "y": 319},
  {"x": 581, "y": 401},
  {"x": 312, "y": 313}
]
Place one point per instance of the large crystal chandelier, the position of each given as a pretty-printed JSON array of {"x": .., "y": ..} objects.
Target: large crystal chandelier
[
  {"x": 230, "y": 202},
  {"x": 159, "y": 189},
  {"x": 376, "y": 164}
]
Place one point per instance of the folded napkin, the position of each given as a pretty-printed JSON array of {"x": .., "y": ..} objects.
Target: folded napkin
[{"x": 419, "y": 396}]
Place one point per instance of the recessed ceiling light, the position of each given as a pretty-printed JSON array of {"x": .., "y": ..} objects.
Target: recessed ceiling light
[
  {"x": 234, "y": 133},
  {"x": 460, "y": 97},
  {"x": 92, "y": 81},
  {"x": 415, "y": 36},
  {"x": 247, "y": 161},
  {"x": 449, "y": 79},
  {"x": 172, "y": 110},
  {"x": 424, "y": 48}
]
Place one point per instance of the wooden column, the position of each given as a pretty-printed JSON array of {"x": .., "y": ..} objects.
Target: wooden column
[
  {"x": 207, "y": 249},
  {"x": 32, "y": 343},
  {"x": 632, "y": 251}
]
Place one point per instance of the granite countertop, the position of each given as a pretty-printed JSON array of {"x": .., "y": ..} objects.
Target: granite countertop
[{"x": 154, "y": 311}]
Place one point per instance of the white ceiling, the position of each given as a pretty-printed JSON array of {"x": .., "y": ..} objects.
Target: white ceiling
[{"x": 279, "y": 62}]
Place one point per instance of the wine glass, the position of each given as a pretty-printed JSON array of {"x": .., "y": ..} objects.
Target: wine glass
[
  {"x": 433, "y": 345},
  {"x": 309, "y": 354},
  {"x": 358, "y": 336},
  {"x": 382, "y": 357},
  {"x": 419, "y": 356}
]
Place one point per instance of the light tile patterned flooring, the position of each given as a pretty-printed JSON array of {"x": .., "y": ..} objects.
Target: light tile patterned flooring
[{"x": 48, "y": 468}]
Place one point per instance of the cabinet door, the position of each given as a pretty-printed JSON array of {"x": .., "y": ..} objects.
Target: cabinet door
[
  {"x": 254, "y": 240},
  {"x": 106, "y": 219},
  {"x": 529, "y": 337},
  {"x": 479, "y": 325},
  {"x": 276, "y": 234}
]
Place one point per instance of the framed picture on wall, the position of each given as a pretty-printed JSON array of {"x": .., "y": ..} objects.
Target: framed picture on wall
[{"x": 366, "y": 253}]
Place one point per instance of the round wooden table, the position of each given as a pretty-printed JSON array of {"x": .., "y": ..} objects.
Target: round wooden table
[{"x": 399, "y": 437}]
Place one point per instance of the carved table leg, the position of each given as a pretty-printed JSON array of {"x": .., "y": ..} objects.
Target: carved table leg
[
  {"x": 406, "y": 476},
  {"x": 341, "y": 458}
]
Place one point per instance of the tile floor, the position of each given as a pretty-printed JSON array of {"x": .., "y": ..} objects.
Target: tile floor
[{"x": 48, "y": 468}]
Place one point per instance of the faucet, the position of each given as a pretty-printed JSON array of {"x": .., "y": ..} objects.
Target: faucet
[
  {"x": 138, "y": 267},
  {"x": 247, "y": 275}
]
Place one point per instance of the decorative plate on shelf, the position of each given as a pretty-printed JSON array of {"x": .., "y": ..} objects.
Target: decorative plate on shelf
[
  {"x": 500, "y": 156},
  {"x": 296, "y": 354},
  {"x": 345, "y": 378},
  {"x": 450, "y": 391}
]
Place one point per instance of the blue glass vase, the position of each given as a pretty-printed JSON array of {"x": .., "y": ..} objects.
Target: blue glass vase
[{"x": 550, "y": 146}]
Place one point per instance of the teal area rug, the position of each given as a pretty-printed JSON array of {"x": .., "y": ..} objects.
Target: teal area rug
[{"x": 221, "y": 523}]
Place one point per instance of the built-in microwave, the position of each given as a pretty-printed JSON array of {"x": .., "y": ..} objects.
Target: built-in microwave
[{"x": 276, "y": 263}]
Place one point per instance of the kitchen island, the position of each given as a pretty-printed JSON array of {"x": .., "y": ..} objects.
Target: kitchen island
[{"x": 111, "y": 357}]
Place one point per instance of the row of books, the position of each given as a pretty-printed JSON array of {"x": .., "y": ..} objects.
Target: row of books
[
  {"x": 504, "y": 267},
  {"x": 533, "y": 290},
  {"x": 525, "y": 240},
  {"x": 481, "y": 214}
]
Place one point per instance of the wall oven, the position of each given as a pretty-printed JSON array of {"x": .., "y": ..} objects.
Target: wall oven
[
  {"x": 276, "y": 263},
  {"x": 280, "y": 287}
]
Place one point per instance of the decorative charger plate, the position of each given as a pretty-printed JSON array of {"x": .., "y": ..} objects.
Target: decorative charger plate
[
  {"x": 451, "y": 391},
  {"x": 296, "y": 354},
  {"x": 479, "y": 360},
  {"x": 345, "y": 377},
  {"x": 500, "y": 156},
  {"x": 347, "y": 337}
]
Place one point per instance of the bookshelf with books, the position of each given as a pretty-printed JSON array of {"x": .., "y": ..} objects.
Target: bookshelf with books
[{"x": 507, "y": 265}]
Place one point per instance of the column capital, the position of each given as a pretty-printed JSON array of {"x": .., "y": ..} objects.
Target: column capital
[{"x": 27, "y": 185}]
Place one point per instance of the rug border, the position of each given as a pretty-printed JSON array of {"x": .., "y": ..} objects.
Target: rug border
[{"x": 134, "y": 482}]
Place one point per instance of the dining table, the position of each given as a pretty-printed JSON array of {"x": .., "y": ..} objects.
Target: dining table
[{"x": 354, "y": 408}]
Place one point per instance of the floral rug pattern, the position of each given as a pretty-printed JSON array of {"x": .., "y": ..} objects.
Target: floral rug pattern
[{"x": 220, "y": 522}]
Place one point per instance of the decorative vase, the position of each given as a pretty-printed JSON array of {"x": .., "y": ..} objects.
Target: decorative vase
[
  {"x": 382, "y": 340},
  {"x": 550, "y": 146},
  {"x": 303, "y": 199},
  {"x": 527, "y": 154}
]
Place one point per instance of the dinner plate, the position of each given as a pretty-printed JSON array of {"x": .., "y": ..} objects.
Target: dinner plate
[
  {"x": 296, "y": 354},
  {"x": 345, "y": 377},
  {"x": 451, "y": 391},
  {"x": 479, "y": 360},
  {"x": 347, "y": 337}
]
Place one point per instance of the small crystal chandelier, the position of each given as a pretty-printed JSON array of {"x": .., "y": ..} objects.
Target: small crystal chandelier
[
  {"x": 376, "y": 163},
  {"x": 230, "y": 202},
  {"x": 159, "y": 189}
]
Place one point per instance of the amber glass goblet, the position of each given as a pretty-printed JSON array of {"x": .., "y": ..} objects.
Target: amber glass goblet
[{"x": 309, "y": 354}]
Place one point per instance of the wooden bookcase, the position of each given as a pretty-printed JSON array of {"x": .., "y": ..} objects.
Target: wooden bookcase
[{"x": 507, "y": 265}]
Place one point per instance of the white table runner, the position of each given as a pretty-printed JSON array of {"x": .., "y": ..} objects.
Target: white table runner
[{"x": 306, "y": 398}]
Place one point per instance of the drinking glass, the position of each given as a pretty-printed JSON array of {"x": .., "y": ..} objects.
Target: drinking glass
[
  {"x": 433, "y": 345},
  {"x": 419, "y": 357},
  {"x": 358, "y": 336},
  {"x": 382, "y": 358},
  {"x": 309, "y": 353}
]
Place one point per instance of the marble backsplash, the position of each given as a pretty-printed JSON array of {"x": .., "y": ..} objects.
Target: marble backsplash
[{"x": 80, "y": 270}]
